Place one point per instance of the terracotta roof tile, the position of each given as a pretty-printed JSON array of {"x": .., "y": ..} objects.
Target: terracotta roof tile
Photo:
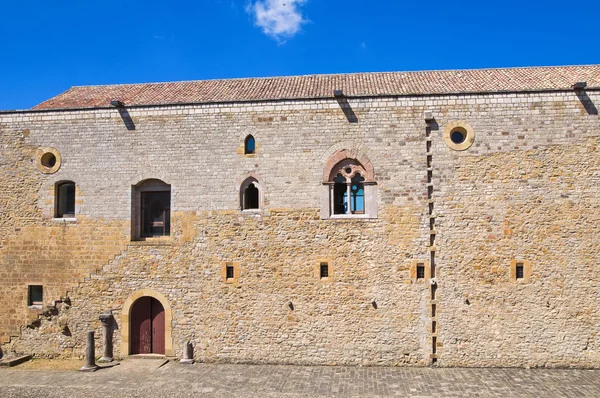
[{"x": 322, "y": 86}]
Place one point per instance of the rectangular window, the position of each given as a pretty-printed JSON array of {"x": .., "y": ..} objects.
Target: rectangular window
[
  {"x": 156, "y": 207},
  {"x": 35, "y": 295},
  {"x": 65, "y": 200},
  {"x": 324, "y": 272},
  {"x": 420, "y": 271},
  {"x": 229, "y": 272},
  {"x": 519, "y": 271}
]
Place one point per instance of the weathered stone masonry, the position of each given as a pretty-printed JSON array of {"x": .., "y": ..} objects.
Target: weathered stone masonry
[{"x": 526, "y": 190}]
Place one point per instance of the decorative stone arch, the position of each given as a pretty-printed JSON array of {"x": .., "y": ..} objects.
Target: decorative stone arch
[
  {"x": 126, "y": 315},
  {"x": 355, "y": 154},
  {"x": 244, "y": 181},
  {"x": 355, "y": 160}
]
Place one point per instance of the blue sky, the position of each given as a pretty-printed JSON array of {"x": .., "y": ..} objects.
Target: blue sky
[{"x": 47, "y": 47}]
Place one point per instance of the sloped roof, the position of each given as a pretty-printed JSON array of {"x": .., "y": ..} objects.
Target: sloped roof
[{"x": 322, "y": 86}]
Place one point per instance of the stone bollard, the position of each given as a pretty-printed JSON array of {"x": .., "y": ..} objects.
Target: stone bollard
[
  {"x": 90, "y": 354},
  {"x": 107, "y": 324},
  {"x": 188, "y": 353}
]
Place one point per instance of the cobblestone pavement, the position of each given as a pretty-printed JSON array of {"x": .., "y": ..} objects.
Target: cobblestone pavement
[{"x": 144, "y": 378}]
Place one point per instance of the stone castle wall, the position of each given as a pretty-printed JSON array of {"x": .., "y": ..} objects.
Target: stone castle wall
[{"x": 526, "y": 190}]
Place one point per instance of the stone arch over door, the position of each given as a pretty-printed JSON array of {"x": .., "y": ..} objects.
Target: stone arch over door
[{"x": 126, "y": 318}]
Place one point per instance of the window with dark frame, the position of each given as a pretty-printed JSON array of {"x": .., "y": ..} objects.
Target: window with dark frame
[
  {"x": 324, "y": 270},
  {"x": 65, "y": 200},
  {"x": 229, "y": 272},
  {"x": 519, "y": 271},
  {"x": 35, "y": 295},
  {"x": 420, "y": 271}
]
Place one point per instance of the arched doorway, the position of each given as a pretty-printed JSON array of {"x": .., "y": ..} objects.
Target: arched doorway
[{"x": 147, "y": 326}]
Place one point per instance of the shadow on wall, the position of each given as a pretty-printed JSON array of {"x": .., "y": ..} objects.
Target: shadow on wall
[
  {"x": 126, "y": 119},
  {"x": 347, "y": 109},
  {"x": 1, "y": 354},
  {"x": 587, "y": 103}
]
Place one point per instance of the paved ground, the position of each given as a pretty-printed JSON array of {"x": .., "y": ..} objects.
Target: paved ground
[{"x": 144, "y": 378}]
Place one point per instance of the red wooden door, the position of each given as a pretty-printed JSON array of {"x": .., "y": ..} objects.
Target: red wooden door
[
  {"x": 158, "y": 327},
  {"x": 140, "y": 326},
  {"x": 147, "y": 327}
]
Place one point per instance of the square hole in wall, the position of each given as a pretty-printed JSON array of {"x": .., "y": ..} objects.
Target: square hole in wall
[
  {"x": 35, "y": 296},
  {"x": 519, "y": 271},
  {"x": 229, "y": 271},
  {"x": 420, "y": 271},
  {"x": 324, "y": 270}
]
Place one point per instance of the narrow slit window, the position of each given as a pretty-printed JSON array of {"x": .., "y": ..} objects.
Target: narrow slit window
[
  {"x": 340, "y": 198},
  {"x": 35, "y": 295},
  {"x": 324, "y": 270},
  {"x": 229, "y": 273},
  {"x": 420, "y": 271},
  {"x": 249, "y": 145},
  {"x": 519, "y": 271},
  {"x": 357, "y": 195},
  {"x": 65, "y": 200}
]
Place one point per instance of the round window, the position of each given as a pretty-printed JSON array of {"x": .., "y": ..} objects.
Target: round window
[
  {"x": 459, "y": 135},
  {"x": 48, "y": 160}
]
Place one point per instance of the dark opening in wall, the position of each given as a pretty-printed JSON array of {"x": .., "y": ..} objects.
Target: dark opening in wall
[
  {"x": 35, "y": 295},
  {"x": 519, "y": 271},
  {"x": 420, "y": 271},
  {"x": 65, "y": 200},
  {"x": 324, "y": 270},
  {"x": 48, "y": 160},
  {"x": 229, "y": 272},
  {"x": 251, "y": 197},
  {"x": 458, "y": 136}
]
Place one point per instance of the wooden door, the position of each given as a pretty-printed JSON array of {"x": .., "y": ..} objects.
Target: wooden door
[
  {"x": 141, "y": 338},
  {"x": 147, "y": 327},
  {"x": 158, "y": 327}
]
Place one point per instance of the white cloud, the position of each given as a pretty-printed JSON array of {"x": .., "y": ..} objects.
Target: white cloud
[{"x": 279, "y": 19}]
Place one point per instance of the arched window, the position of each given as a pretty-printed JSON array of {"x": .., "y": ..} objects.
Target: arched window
[
  {"x": 349, "y": 188},
  {"x": 151, "y": 209},
  {"x": 65, "y": 200},
  {"x": 250, "y": 194},
  {"x": 251, "y": 197},
  {"x": 249, "y": 145}
]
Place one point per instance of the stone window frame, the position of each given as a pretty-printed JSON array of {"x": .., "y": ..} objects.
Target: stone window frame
[
  {"x": 236, "y": 272},
  {"x": 358, "y": 163},
  {"x": 330, "y": 270},
  {"x": 413, "y": 271},
  {"x": 148, "y": 185},
  {"x": 39, "y": 160},
  {"x": 526, "y": 271},
  {"x": 465, "y": 128},
  {"x": 241, "y": 150},
  {"x": 243, "y": 183}
]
